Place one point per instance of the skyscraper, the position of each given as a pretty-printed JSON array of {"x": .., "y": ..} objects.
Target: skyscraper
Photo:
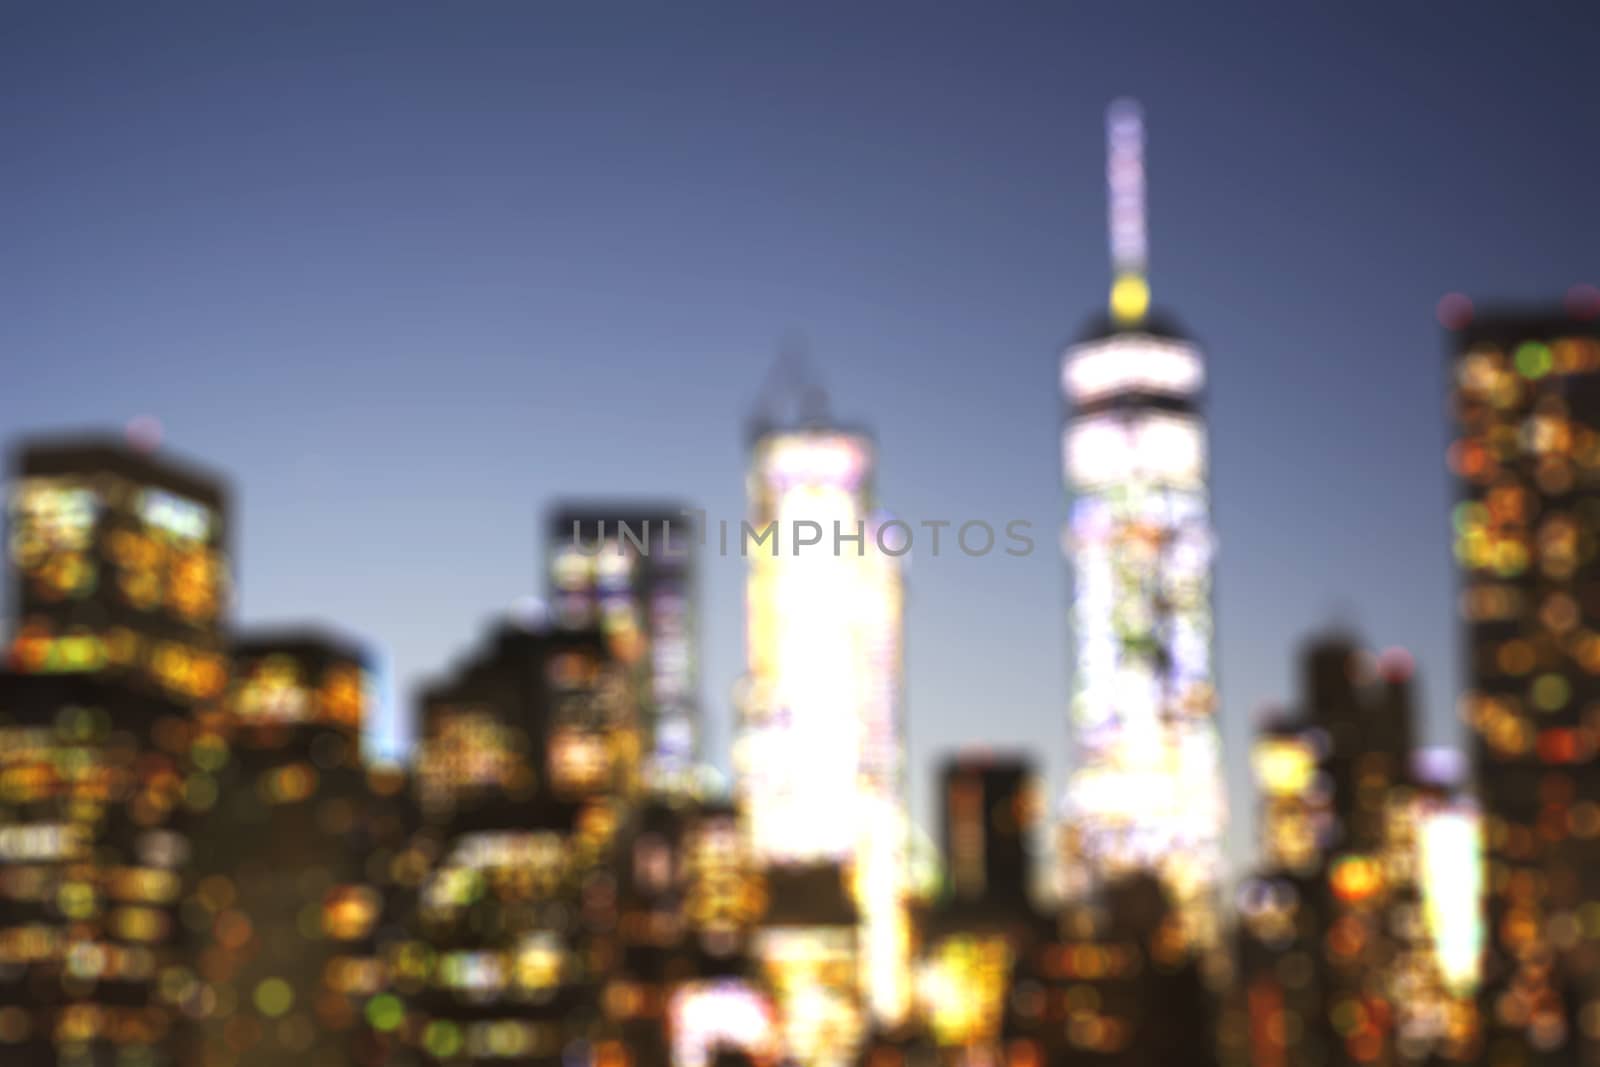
[
  {"x": 1280, "y": 906},
  {"x": 628, "y": 570},
  {"x": 1362, "y": 705},
  {"x": 119, "y": 580},
  {"x": 988, "y": 805},
  {"x": 1146, "y": 789},
  {"x": 1351, "y": 948},
  {"x": 1435, "y": 871},
  {"x": 686, "y": 901},
  {"x": 527, "y": 769},
  {"x": 1526, "y": 397},
  {"x": 293, "y": 849},
  {"x": 119, "y": 563},
  {"x": 819, "y": 753},
  {"x": 92, "y": 851}
]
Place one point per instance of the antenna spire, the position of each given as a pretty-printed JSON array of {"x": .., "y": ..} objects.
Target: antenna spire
[
  {"x": 793, "y": 393},
  {"x": 1130, "y": 289}
]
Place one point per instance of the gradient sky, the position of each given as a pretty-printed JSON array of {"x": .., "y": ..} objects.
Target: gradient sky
[{"x": 408, "y": 274}]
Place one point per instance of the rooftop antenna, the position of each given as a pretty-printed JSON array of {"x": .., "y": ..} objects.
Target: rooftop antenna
[
  {"x": 1343, "y": 619},
  {"x": 1130, "y": 288},
  {"x": 793, "y": 394}
]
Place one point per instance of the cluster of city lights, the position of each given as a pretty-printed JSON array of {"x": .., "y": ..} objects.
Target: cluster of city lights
[{"x": 202, "y": 866}]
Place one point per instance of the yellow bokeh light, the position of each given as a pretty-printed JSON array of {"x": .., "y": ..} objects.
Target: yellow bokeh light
[{"x": 1130, "y": 298}]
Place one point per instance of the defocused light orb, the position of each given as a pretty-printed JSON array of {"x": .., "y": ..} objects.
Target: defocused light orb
[
  {"x": 1454, "y": 311},
  {"x": 144, "y": 433},
  {"x": 1583, "y": 301},
  {"x": 1130, "y": 298},
  {"x": 530, "y": 613}
]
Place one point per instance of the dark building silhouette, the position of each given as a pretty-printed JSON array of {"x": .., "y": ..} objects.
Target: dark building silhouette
[
  {"x": 1115, "y": 984},
  {"x": 1525, "y": 389},
  {"x": 296, "y": 848},
  {"x": 1367, "y": 722},
  {"x": 978, "y": 931},
  {"x": 1280, "y": 907},
  {"x": 527, "y": 770},
  {"x": 688, "y": 898},
  {"x": 989, "y": 808},
  {"x": 1339, "y": 961}
]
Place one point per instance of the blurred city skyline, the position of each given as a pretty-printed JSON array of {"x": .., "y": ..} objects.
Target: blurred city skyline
[{"x": 388, "y": 271}]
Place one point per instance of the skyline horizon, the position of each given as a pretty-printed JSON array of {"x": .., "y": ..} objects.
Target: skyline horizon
[
  {"x": 394, "y": 742},
  {"x": 407, "y": 279}
]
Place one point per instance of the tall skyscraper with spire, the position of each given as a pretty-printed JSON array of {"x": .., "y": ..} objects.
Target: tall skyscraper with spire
[{"x": 1146, "y": 787}]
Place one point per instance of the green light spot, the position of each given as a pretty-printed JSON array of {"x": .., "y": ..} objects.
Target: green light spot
[
  {"x": 384, "y": 1012},
  {"x": 1533, "y": 359},
  {"x": 1469, "y": 515},
  {"x": 209, "y": 753},
  {"x": 200, "y": 791},
  {"x": 442, "y": 1039},
  {"x": 1550, "y": 691},
  {"x": 274, "y": 997}
]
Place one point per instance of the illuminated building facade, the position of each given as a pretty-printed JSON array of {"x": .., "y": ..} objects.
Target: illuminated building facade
[
  {"x": 725, "y": 895},
  {"x": 819, "y": 754},
  {"x": 1387, "y": 997},
  {"x": 1449, "y": 828},
  {"x": 1352, "y": 932},
  {"x": 120, "y": 581},
  {"x": 1434, "y": 866},
  {"x": 528, "y": 767},
  {"x": 1146, "y": 789},
  {"x": 119, "y": 563},
  {"x": 719, "y": 1016},
  {"x": 688, "y": 900},
  {"x": 1526, "y": 397},
  {"x": 92, "y": 852},
  {"x": 1280, "y": 906},
  {"x": 297, "y": 843},
  {"x": 1297, "y": 820},
  {"x": 629, "y": 571}
]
